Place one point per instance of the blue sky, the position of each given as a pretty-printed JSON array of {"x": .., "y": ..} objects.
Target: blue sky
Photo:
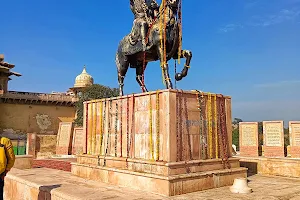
[{"x": 248, "y": 49}]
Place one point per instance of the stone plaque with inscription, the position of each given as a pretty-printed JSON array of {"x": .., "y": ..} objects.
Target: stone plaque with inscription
[
  {"x": 273, "y": 138},
  {"x": 249, "y": 134},
  {"x": 294, "y": 130},
  {"x": 248, "y": 138},
  {"x": 273, "y": 134},
  {"x": 78, "y": 141},
  {"x": 295, "y": 133},
  {"x": 64, "y": 138}
]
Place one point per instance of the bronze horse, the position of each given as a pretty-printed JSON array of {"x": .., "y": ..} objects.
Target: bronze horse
[{"x": 134, "y": 56}]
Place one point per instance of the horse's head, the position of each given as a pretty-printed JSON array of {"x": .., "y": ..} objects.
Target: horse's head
[{"x": 173, "y": 3}]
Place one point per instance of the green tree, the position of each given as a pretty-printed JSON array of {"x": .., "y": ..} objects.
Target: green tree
[
  {"x": 286, "y": 137},
  {"x": 235, "y": 132},
  {"x": 236, "y": 121},
  {"x": 260, "y": 134},
  {"x": 95, "y": 91},
  {"x": 236, "y": 138}
]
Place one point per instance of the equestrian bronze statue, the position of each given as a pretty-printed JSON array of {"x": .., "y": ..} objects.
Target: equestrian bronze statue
[{"x": 155, "y": 35}]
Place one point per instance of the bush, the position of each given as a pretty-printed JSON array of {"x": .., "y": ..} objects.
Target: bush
[{"x": 235, "y": 138}]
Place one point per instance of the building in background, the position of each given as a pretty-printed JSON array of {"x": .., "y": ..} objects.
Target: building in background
[
  {"x": 82, "y": 81},
  {"x": 27, "y": 112},
  {"x": 5, "y": 73}
]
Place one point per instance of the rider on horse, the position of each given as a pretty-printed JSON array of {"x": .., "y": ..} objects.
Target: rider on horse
[{"x": 144, "y": 13}]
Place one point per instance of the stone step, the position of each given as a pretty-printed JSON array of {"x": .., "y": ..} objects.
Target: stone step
[
  {"x": 46, "y": 184},
  {"x": 59, "y": 164}
]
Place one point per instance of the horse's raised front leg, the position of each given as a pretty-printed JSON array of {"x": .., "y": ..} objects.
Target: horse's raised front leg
[
  {"x": 188, "y": 55},
  {"x": 139, "y": 78},
  {"x": 165, "y": 70}
]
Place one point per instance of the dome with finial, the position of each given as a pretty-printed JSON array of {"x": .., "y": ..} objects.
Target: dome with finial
[{"x": 83, "y": 79}]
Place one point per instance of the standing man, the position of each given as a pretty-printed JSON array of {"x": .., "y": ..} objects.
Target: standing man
[
  {"x": 144, "y": 12},
  {"x": 7, "y": 160}
]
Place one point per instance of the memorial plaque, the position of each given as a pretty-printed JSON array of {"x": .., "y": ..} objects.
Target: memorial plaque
[
  {"x": 78, "y": 141},
  {"x": 248, "y": 138},
  {"x": 294, "y": 130},
  {"x": 249, "y": 134},
  {"x": 64, "y": 138},
  {"x": 295, "y": 133},
  {"x": 273, "y": 134},
  {"x": 273, "y": 138},
  {"x": 64, "y": 135}
]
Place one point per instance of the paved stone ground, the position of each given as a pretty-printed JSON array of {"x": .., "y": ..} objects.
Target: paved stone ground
[{"x": 264, "y": 188}]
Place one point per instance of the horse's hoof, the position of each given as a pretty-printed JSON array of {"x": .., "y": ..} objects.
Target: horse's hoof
[
  {"x": 178, "y": 77},
  {"x": 169, "y": 86}
]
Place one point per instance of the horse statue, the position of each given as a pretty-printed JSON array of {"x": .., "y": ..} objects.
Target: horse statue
[{"x": 137, "y": 56}]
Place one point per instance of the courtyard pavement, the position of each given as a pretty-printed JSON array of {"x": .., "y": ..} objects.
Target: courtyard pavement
[{"x": 264, "y": 188}]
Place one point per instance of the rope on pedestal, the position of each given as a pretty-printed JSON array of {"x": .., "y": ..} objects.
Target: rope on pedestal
[
  {"x": 157, "y": 125},
  {"x": 150, "y": 128},
  {"x": 216, "y": 126},
  {"x": 94, "y": 128},
  {"x": 116, "y": 128},
  {"x": 121, "y": 128},
  {"x": 86, "y": 126}
]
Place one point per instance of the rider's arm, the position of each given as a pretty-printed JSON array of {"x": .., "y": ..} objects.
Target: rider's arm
[{"x": 10, "y": 155}]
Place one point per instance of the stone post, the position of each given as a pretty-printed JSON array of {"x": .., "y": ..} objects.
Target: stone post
[{"x": 31, "y": 144}]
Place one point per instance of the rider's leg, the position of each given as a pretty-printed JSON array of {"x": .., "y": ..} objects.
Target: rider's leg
[{"x": 144, "y": 29}]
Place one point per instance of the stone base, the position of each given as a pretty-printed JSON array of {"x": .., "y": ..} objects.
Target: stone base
[
  {"x": 59, "y": 164},
  {"x": 273, "y": 151},
  {"x": 23, "y": 161},
  {"x": 167, "y": 179},
  {"x": 288, "y": 167},
  {"x": 295, "y": 152},
  {"x": 248, "y": 151},
  {"x": 62, "y": 150}
]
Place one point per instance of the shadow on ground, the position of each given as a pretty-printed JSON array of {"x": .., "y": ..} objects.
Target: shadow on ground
[{"x": 45, "y": 191}]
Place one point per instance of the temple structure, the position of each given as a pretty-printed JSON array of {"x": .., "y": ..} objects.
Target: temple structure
[
  {"x": 5, "y": 73},
  {"x": 82, "y": 81}
]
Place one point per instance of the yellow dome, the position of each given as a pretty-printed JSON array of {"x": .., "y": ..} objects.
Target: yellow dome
[{"x": 84, "y": 79}]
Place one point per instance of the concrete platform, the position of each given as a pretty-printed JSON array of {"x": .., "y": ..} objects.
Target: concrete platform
[
  {"x": 162, "y": 178},
  {"x": 289, "y": 167},
  {"x": 41, "y": 184},
  {"x": 23, "y": 161}
]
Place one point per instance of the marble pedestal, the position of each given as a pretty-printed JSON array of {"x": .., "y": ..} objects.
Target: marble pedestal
[{"x": 167, "y": 142}]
